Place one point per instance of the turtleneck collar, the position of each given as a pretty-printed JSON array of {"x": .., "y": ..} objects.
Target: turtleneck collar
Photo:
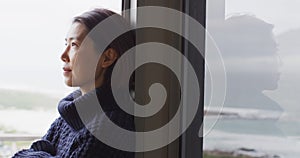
[{"x": 69, "y": 105}]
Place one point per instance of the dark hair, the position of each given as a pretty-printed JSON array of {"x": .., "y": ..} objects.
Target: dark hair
[{"x": 121, "y": 44}]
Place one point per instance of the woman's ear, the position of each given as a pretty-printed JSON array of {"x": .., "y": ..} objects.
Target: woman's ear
[{"x": 108, "y": 57}]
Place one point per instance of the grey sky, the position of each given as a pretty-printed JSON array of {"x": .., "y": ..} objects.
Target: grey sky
[{"x": 33, "y": 33}]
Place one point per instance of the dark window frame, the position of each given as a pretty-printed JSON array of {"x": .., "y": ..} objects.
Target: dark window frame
[{"x": 189, "y": 145}]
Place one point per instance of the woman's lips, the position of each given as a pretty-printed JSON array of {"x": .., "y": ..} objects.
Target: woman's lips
[{"x": 67, "y": 71}]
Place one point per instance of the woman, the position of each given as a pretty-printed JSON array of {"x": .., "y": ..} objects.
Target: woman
[{"x": 90, "y": 70}]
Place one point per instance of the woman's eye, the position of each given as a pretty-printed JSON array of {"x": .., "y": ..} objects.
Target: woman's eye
[{"x": 74, "y": 45}]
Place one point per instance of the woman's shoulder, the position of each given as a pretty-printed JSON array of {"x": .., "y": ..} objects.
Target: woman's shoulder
[
  {"x": 55, "y": 129},
  {"x": 57, "y": 123}
]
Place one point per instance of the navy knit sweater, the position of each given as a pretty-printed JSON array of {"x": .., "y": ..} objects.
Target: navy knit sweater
[{"x": 68, "y": 137}]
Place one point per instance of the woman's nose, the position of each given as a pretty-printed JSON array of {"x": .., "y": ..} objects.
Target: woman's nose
[{"x": 65, "y": 57}]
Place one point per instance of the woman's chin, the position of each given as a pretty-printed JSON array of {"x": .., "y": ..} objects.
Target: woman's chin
[{"x": 69, "y": 83}]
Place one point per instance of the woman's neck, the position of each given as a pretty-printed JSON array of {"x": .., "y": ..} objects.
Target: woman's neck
[{"x": 90, "y": 86}]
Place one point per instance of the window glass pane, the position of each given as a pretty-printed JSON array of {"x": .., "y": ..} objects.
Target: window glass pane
[
  {"x": 31, "y": 83},
  {"x": 259, "y": 44}
]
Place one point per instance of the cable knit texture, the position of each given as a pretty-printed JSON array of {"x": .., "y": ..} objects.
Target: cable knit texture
[{"x": 69, "y": 137}]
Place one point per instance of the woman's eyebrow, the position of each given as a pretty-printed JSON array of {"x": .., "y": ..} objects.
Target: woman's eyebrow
[
  {"x": 79, "y": 38},
  {"x": 70, "y": 38}
]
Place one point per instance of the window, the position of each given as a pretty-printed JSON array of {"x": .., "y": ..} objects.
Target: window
[{"x": 259, "y": 43}]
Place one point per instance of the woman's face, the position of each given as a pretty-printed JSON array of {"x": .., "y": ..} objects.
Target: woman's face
[{"x": 80, "y": 58}]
